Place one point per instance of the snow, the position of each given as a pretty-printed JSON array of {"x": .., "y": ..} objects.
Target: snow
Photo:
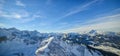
[
  {"x": 44, "y": 47},
  {"x": 75, "y": 51},
  {"x": 108, "y": 48},
  {"x": 16, "y": 47},
  {"x": 69, "y": 49}
]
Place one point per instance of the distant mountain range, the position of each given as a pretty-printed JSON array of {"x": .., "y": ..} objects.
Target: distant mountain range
[{"x": 14, "y": 42}]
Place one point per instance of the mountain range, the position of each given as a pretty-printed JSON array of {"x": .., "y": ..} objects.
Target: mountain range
[{"x": 14, "y": 42}]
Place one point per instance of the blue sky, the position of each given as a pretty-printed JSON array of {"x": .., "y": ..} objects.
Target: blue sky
[{"x": 60, "y": 15}]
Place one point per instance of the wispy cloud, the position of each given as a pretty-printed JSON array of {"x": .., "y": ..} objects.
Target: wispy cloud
[
  {"x": 19, "y": 3},
  {"x": 2, "y": 25},
  {"x": 22, "y": 16},
  {"x": 8, "y": 14},
  {"x": 106, "y": 23},
  {"x": 14, "y": 15},
  {"x": 29, "y": 19},
  {"x": 104, "y": 19},
  {"x": 33, "y": 16},
  {"x": 79, "y": 9}
]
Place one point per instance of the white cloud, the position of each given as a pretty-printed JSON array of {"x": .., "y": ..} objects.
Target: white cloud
[
  {"x": 32, "y": 17},
  {"x": 17, "y": 16},
  {"x": 14, "y": 15},
  {"x": 80, "y": 8},
  {"x": 19, "y": 3},
  {"x": 107, "y": 23},
  {"x": 21, "y": 16},
  {"x": 104, "y": 19},
  {"x": 2, "y": 25}
]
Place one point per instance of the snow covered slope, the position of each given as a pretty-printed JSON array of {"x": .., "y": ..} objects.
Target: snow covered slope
[
  {"x": 17, "y": 47},
  {"x": 57, "y": 47}
]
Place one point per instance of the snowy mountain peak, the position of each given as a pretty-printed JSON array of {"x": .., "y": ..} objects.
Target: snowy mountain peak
[{"x": 92, "y": 31}]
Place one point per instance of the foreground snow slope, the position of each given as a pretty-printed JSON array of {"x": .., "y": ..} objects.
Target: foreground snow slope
[{"x": 57, "y": 47}]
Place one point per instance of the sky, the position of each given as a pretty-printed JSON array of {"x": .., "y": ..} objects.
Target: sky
[{"x": 60, "y": 15}]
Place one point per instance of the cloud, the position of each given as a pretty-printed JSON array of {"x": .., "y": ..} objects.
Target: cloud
[
  {"x": 76, "y": 10},
  {"x": 8, "y": 14},
  {"x": 2, "y": 25},
  {"x": 14, "y": 15},
  {"x": 5, "y": 14},
  {"x": 104, "y": 19},
  {"x": 21, "y": 16},
  {"x": 32, "y": 17},
  {"x": 17, "y": 16},
  {"x": 80, "y": 8},
  {"x": 19, "y": 3},
  {"x": 106, "y": 23}
]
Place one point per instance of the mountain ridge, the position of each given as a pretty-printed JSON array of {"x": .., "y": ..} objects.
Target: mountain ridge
[{"x": 48, "y": 44}]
